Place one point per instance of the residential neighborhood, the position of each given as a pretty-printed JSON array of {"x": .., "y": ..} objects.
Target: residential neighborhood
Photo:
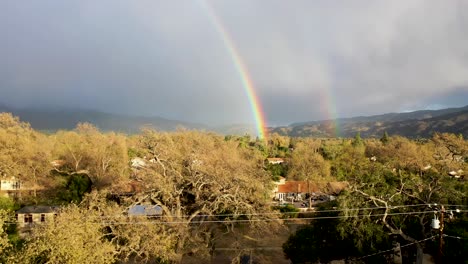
[{"x": 196, "y": 197}]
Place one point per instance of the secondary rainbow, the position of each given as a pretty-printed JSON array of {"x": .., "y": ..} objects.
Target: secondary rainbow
[
  {"x": 242, "y": 70},
  {"x": 331, "y": 111}
]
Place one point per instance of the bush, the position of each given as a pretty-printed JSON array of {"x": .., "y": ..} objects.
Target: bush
[{"x": 288, "y": 210}]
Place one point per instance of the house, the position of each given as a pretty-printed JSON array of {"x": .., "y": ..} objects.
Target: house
[
  {"x": 12, "y": 187},
  {"x": 35, "y": 214},
  {"x": 295, "y": 190},
  {"x": 145, "y": 210},
  {"x": 275, "y": 160},
  {"x": 138, "y": 163},
  {"x": 281, "y": 181},
  {"x": 11, "y": 184},
  {"x": 300, "y": 190}
]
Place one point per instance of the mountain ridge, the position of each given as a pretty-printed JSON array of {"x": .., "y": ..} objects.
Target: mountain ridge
[
  {"x": 420, "y": 123},
  {"x": 53, "y": 120}
]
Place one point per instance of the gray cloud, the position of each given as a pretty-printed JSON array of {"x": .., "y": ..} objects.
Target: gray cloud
[{"x": 166, "y": 58}]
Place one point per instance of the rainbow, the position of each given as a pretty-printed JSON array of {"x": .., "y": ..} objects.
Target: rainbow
[
  {"x": 330, "y": 110},
  {"x": 241, "y": 69}
]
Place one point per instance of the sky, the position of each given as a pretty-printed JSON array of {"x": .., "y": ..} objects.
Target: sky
[{"x": 308, "y": 60}]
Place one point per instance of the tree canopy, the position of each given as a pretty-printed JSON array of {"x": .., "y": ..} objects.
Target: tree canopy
[{"x": 209, "y": 189}]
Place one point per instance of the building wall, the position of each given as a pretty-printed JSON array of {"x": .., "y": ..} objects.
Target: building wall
[
  {"x": 9, "y": 185},
  {"x": 36, "y": 219}
]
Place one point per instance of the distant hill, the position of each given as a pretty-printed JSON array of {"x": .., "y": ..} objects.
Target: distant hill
[
  {"x": 236, "y": 129},
  {"x": 53, "y": 120},
  {"x": 413, "y": 124}
]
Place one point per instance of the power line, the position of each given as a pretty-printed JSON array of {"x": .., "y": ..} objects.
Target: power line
[
  {"x": 385, "y": 251},
  {"x": 272, "y": 219},
  {"x": 307, "y": 212},
  {"x": 455, "y": 237},
  {"x": 260, "y": 220}
]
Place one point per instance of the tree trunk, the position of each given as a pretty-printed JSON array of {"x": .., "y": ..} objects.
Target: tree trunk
[
  {"x": 419, "y": 254},
  {"x": 397, "y": 259}
]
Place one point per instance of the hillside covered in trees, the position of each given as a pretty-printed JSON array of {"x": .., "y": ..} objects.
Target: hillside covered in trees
[
  {"x": 214, "y": 194},
  {"x": 423, "y": 123},
  {"x": 416, "y": 124}
]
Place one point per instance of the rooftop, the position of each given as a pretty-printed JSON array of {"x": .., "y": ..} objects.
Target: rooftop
[
  {"x": 297, "y": 187},
  {"x": 38, "y": 209},
  {"x": 145, "y": 210}
]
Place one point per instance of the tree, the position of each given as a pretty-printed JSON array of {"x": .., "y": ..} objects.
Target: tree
[
  {"x": 278, "y": 146},
  {"x": 307, "y": 164},
  {"x": 402, "y": 153},
  {"x": 137, "y": 239},
  {"x": 357, "y": 140},
  {"x": 403, "y": 199},
  {"x": 385, "y": 138},
  {"x": 5, "y": 244},
  {"x": 23, "y": 152},
  {"x": 320, "y": 241},
  {"x": 76, "y": 187},
  {"x": 197, "y": 174},
  {"x": 349, "y": 162},
  {"x": 75, "y": 236},
  {"x": 390, "y": 199},
  {"x": 450, "y": 152},
  {"x": 104, "y": 157}
]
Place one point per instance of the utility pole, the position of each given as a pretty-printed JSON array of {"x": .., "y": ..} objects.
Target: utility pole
[{"x": 441, "y": 235}]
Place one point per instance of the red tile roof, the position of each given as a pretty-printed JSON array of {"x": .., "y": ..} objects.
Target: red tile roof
[
  {"x": 297, "y": 187},
  {"x": 303, "y": 187}
]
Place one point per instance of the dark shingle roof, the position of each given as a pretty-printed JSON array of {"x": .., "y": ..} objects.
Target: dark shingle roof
[{"x": 38, "y": 209}]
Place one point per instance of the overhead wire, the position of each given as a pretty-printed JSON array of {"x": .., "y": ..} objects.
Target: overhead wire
[
  {"x": 107, "y": 219},
  {"x": 457, "y": 237},
  {"x": 273, "y": 219},
  {"x": 301, "y": 212},
  {"x": 406, "y": 245}
]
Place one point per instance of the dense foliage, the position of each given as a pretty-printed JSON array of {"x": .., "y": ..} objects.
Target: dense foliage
[
  {"x": 210, "y": 187},
  {"x": 395, "y": 187}
]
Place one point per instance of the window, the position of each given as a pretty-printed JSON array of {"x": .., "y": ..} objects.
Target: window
[
  {"x": 42, "y": 217},
  {"x": 28, "y": 218}
]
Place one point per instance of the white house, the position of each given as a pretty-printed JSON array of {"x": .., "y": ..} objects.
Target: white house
[
  {"x": 11, "y": 184},
  {"x": 138, "y": 163},
  {"x": 30, "y": 215},
  {"x": 275, "y": 160}
]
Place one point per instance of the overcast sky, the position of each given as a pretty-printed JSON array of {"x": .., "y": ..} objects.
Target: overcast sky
[{"x": 307, "y": 59}]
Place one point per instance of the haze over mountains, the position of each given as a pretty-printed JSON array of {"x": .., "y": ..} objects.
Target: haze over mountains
[
  {"x": 411, "y": 124},
  {"x": 66, "y": 119}
]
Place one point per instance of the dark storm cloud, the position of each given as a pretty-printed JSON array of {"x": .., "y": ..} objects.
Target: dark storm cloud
[{"x": 166, "y": 58}]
